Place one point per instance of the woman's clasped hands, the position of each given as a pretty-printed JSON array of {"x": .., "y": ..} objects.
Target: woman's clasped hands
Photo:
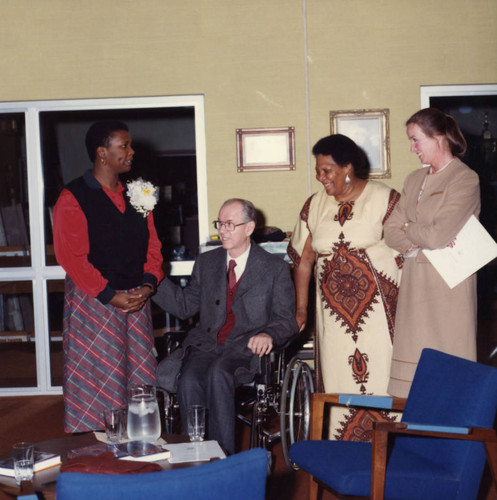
[{"x": 131, "y": 302}]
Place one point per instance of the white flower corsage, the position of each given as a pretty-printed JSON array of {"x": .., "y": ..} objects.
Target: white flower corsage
[{"x": 142, "y": 195}]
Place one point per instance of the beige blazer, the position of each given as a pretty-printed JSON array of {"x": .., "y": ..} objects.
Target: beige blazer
[{"x": 429, "y": 313}]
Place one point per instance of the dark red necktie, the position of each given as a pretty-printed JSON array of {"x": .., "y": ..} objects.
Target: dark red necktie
[{"x": 231, "y": 274}]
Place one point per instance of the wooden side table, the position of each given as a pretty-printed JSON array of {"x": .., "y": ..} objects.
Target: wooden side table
[{"x": 45, "y": 481}]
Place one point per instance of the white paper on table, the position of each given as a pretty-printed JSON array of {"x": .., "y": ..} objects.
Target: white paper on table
[
  {"x": 473, "y": 248},
  {"x": 194, "y": 452},
  {"x": 100, "y": 436}
]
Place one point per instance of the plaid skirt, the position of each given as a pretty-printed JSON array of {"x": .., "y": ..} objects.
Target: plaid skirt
[{"x": 105, "y": 351}]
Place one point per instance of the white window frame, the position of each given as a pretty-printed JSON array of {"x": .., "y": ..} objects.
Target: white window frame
[
  {"x": 39, "y": 273},
  {"x": 454, "y": 90}
]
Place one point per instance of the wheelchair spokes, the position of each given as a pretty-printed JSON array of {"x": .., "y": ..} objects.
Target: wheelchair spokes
[{"x": 295, "y": 411}]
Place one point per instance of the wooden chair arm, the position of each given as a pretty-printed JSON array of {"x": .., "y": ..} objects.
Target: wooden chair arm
[
  {"x": 440, "y": 431},
  {"x": 382, "y": 402},
  {"x": 319, "y": 399},
  {"x": 381, "y": 431}
]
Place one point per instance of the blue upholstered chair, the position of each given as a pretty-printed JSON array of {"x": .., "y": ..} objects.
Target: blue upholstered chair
[
  {"x": 241, "y": 476},
  {"x": 436, "y": 452}
]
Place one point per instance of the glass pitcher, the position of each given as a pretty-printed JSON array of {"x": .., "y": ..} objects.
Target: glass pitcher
[{"x": 143, "y": 414}]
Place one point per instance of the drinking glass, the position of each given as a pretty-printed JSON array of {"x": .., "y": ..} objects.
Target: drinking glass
[
  {"x": 196, "y": 423},
  {"x": 23, "y": 456},
  {"x": 114, "y": 419},
  {"x": 124, "y": 428}
]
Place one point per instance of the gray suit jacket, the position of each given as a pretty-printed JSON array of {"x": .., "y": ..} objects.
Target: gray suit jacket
[{"x": 264, "y": 302}]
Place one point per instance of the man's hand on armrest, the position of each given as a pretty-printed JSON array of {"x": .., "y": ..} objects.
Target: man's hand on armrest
[{"x": 260, "y": 344}]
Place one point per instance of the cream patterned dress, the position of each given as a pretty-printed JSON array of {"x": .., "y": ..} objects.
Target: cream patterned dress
[{"x": 357, "y": 278}]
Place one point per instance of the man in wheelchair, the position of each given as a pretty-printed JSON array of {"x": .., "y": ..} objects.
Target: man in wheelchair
[{"x": 246, "y": 303}]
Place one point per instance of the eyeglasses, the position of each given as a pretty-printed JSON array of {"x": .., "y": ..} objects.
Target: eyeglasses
[{"x": 229, "y": 226}]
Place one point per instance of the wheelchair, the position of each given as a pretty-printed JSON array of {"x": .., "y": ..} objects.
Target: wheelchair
[
  {"x": 275, "y": 406},
  {"x": 282, "y": 392}
]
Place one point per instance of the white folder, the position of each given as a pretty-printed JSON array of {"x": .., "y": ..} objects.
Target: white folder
[{"x": 473, "y": 248}]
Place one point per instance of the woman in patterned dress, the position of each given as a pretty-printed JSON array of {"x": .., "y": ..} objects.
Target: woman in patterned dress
[
  {"x": 339, "y": 234},
  {"x": 111, "y": 254}
]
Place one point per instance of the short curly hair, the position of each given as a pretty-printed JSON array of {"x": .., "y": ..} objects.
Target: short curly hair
[
  {"x": 344, "y": 151},
  {"x": 99, "y": 134}
]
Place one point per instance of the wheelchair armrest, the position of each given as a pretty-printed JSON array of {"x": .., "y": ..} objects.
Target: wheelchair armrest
[
  {"x": 266, "y": 367},
  {"x": 320, "y": 399}
]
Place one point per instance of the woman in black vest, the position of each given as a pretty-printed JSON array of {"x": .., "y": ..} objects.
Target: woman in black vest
[{"x": 106, "y": 242}]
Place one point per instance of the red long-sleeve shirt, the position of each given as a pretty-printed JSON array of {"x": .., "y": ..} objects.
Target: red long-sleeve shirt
[{"x": 72, "y": 245}]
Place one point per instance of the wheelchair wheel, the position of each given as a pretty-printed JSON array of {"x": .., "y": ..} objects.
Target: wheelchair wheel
[{"x": 295, "y": 406}]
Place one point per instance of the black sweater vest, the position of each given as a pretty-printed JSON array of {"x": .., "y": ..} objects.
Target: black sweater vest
[{"x": 118, "y": 241}]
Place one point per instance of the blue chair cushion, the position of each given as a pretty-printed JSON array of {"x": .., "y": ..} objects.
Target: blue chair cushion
[
  {"x": 241, "y": 476},
  {"x": 346, "y": 467}
]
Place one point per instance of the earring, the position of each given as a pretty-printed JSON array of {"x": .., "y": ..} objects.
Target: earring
[{"x": 347, "y": 180}]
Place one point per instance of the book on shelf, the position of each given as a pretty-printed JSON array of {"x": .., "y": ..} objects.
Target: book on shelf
[
  {"x": 3, "y": 237},
  {"x": 42, "y": 460},
  {"x": 20, "y": 306},
  {"x": 14, "y": 225},
  {"x": 133, "y": 450}
]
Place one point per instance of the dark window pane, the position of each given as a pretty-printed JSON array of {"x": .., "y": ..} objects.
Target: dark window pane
[
  {"x": 14, "y": 218},
  {"x": 55, "y": 316},
  {"x": 17, "y": 335}
]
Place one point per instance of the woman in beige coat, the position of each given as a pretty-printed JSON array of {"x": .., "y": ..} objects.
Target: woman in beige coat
[{"x": 435, "y": 204}]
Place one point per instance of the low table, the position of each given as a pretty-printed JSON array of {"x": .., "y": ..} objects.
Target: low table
[{"x": 45, "y": 481}]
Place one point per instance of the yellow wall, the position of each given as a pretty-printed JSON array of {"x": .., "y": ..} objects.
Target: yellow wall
[
  {"x": 247, "y": 58},
  {"x": 377, "y": 54}
]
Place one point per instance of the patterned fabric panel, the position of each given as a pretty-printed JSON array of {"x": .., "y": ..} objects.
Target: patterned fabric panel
[{"x": 105, "y": 350}]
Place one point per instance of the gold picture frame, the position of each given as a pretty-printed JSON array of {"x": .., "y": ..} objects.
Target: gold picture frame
[
  {"x": 265, "y": 149},
  {"x": 370, "y": 129}
]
